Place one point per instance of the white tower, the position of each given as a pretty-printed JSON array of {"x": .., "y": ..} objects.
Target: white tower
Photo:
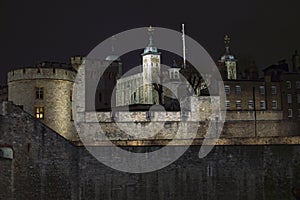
[
  {"x": 151, "y": 71},
  {"x": 229, "y": 61}
]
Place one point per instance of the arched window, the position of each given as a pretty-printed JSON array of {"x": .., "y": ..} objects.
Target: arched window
[
  {"x": 176, "y": 75},
  {"x": 172, "y": 75}
]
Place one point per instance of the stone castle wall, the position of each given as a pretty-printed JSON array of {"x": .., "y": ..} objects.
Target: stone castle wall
[
  {"x": 3, "y": 93},
  {"x": 44, "y": 165},
  {"x": 47, "y": 166},
  {"x": 57, "y": 87},
  {"x": 121, "y": 125}
]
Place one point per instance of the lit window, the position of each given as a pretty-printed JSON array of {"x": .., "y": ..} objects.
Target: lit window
[
  {"x": 274, "y": 104},
  {"x": 298, "y": 98},
  {"x": 288, "y": 84},
  {"x": 262, "y": 89},
  {"x": 298, "y": 84},
  {"x": 237, "y": 89},
  {"x": 238, "y": 104},
  {"x": 289, "y": 98},
  {"x": 290, "y": 113},
  {"x": 39, "y": 93},
  {"x": 250, "y": 104},
  {"x": 39, "y": 112},
  {"x": 262, "y": 104},
  {"x": 227, "y": 89},
  {"x": 274, "y": 90},
  {"x": 227, "y": 104}
]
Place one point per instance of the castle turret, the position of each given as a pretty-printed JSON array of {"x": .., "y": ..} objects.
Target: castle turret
[
  {"x": 151, "y": 70},
  {"x": 46, "y": 92},
  {"x": 227, "y": 63}
]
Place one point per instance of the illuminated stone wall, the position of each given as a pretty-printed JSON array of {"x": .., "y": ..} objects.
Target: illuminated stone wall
[{"x": 57, "y": 85}]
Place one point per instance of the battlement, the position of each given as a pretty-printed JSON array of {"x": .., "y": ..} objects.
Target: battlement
[
  {"x": 76, "y": 61},
  {"x": 44, "y": 70}
]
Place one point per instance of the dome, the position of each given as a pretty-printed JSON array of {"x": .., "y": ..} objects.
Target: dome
[
  {"x": 150, "y": 49},
  {"x": 227, "y": 57},
  {"x": 113, "y": 58}
]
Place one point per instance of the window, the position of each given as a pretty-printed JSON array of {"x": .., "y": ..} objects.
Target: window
[
  {"x": 274, "y": 104},
  {"x": 290, "y": 113},
  {"x": 71, "y": 115},
  {"x": 227, "y": 104},
  {"x": 262, "y": 90},
  {"x": 39, "y": 112},
  {"x": 289, "y": 98},
  {"x": 134, "y": 97},
  {"x": 227, "y": 89},
  {"x": 39, "y": 93},
  {"x": 298, "y": 84},
  {"x": 262, "y": 104},
  {"x": 71, "y": 95},
  {"x": 288, "y": 84},
  {"x": 237, "y": 89},
  {"x": 274, "y": 89},
  {"x": 176, "y": 75},
  {"x": 238, "y": 104},
  {"x": 172, "y": 75},
  {"x": 250, "y": 104},
  {"x": 298, "y": 98}
]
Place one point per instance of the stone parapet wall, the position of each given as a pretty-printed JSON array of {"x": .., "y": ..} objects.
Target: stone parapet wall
[{"x": 41, "y": 73}]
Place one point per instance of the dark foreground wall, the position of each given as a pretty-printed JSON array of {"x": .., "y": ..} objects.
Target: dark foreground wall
[
  {"x": 46, "y": 166},
  {"x": 228, "y": 172}
]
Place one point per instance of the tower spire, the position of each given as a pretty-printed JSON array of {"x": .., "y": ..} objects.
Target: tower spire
[
  {"x": 226, "y": 42},
  {"x": 150, "y": 48},
  {"x": 150, "y": 33}
]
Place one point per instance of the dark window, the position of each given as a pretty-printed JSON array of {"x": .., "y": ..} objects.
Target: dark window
[
  {"x": 262, "y": 90},
  {"x": 237, "y": 89},
  {"x": 71, "y": 115},
  {"x": 39, "y": 93},
  {"x": 71, "y": 95}
]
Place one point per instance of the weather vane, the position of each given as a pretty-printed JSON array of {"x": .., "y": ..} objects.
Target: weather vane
[
  {"x": 226, "y": 39},
  {"x": 150, "y": 32},
  {"x": 150, "y": 29}
]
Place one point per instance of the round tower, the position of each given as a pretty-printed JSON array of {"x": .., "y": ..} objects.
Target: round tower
[{"x": 46, "y": 92}]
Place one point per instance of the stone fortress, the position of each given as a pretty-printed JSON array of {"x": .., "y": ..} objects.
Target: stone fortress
[
  {"x": 267, "y": 106},
  {"x": 42, "y": 155}
]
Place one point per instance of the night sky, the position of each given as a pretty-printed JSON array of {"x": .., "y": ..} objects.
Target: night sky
[{"x": 32, "y": 31}]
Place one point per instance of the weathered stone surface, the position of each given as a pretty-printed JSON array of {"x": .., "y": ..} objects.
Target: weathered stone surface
[{"x": 46, "y": 166}]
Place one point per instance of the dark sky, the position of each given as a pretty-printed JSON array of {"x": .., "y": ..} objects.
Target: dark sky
[{"x": 55, "y": 30}]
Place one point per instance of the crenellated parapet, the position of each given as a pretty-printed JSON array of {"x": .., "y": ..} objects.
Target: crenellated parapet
[{"x": 54, "y": 73}]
